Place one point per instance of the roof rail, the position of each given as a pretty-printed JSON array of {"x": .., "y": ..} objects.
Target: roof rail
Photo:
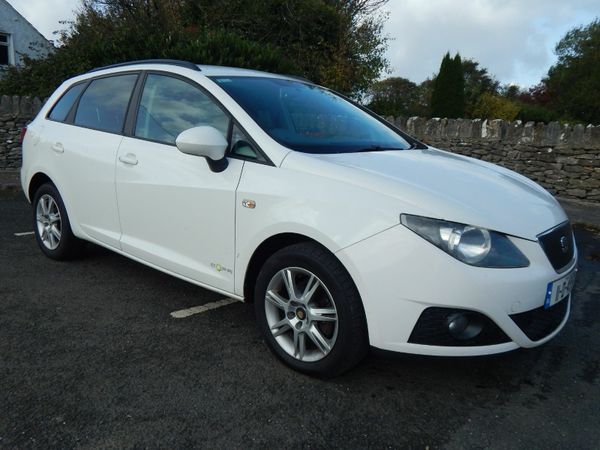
[
  {"x": 171, "y": 62},
  {"x": 300, "y": 78}
]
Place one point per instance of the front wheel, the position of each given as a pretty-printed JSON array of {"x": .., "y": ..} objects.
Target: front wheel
[{"x": 310, "y": 312}]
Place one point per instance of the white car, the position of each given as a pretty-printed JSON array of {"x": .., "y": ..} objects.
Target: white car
[{"x": 345, "y": 232}]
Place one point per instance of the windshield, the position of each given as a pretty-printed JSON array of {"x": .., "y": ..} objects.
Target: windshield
[{"x": 309, "y": 119}]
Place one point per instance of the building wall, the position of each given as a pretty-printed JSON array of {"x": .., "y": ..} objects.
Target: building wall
[
  {"x": 26, "y": 40},
  {"x": 565, "y": 159}
]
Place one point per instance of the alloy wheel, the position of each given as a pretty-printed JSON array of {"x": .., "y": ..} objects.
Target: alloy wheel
[
  {"x": 301, "y": 314},
  {"x": 49, "y": 224}
]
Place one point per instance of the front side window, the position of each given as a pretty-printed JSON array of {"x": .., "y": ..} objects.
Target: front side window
[
  {"x": 170, "y": 106},
  {"x": 4, "y": 49},
  {"x": 63, "y": 106},
  {"x": 308, "y": 118},
  {"x": 242, "y": 147},
  {"x": 103, "y": 105}
]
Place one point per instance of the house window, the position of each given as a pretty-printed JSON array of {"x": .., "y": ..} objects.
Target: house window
[{"x": 4, "y": 49}]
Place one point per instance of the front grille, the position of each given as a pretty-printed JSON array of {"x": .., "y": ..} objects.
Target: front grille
[
  {"x": 431, "y": 329},
  {"x": 559, "y": 245},
  {"x": 539, "y": 323}
]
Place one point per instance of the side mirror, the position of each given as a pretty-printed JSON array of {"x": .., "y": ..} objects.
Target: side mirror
[{"x": 204, "y": 141}]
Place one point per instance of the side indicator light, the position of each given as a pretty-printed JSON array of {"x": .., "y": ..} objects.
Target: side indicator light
[{"x": 248, "y": 203}]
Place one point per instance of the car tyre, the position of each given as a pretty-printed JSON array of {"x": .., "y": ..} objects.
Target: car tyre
[
  {"x": 51, "y": 225},
  {"x": 310, "y": 312}
]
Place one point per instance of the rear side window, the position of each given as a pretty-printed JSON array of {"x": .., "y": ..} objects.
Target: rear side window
[
  {"x": 170, "y": 106},
  {"x": 63, "y": 106},
  {"x": 103, "y": 105}
]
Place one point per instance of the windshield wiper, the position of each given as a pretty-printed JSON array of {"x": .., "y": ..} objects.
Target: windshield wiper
[{"x": 377, "y": 148}]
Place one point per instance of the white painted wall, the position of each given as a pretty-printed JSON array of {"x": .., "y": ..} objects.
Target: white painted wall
[{"x": 25, "y": 39}]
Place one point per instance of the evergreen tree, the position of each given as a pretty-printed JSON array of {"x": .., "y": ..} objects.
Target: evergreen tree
[
  {"x": 459, "y": 88},
  {"x": 448, "y": 96}
]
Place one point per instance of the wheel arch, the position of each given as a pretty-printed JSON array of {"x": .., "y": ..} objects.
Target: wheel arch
[
  {"x": 260, "y": 255},
  {"x": 36, "y": 181},
  {"x": 40, "y": 178},
  {"x": 267, "y": 248}
]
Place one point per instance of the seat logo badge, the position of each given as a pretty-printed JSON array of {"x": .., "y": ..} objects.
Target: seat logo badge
[
  {"x": 248, "y": 203},
  {"x": 564, "y": 244}
]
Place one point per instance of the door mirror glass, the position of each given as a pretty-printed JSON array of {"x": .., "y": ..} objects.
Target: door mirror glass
[{"x": 204, "y": 141}]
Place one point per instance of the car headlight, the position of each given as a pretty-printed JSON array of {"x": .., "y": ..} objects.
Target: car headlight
[{"x": 472, "y": 245}]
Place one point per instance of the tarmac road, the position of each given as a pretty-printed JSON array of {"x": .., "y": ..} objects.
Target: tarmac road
[{"x": 90, "y": 357}]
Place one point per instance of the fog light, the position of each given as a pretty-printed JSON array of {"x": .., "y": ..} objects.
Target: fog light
[
  {"x": 463, "y": 326},
  {"x": 453, "y": 327}
]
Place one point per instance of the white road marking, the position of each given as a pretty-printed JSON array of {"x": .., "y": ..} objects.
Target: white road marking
[
  {"x": 26, "y": 233},
  {"x": 183, "y": 313}
]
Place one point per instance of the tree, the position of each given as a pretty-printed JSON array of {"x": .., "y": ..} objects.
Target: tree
[
  {"x": 338, "y": 43},
  {"x": 510, "y": 91},
  {"x": 492, "y": 106},
  {"x": 535, "y": 113},
  {"x": 448, "y": 96},
  {"x": 394, "y": 96},
  {"x": 423, "y": 106},
  {"x": 535, "y": 105},
  {"x": 573, "y": 83},
  {"x": 536, "y": 95},
  {"x": 477, "y": 82}
]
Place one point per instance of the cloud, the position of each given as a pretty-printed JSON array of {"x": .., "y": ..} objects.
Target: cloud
[{"x": 513, "y": 39}]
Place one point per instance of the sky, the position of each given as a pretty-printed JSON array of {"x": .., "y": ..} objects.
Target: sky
[{"x": 513, "y": 39}]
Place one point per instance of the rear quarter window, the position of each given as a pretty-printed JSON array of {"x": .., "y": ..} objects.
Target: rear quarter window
[
  {"x": 103, "y": 105},
  {"x": 61, "y": 108}
]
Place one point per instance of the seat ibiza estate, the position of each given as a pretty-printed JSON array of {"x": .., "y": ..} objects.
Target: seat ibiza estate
[{"x": 344, "y": 232}]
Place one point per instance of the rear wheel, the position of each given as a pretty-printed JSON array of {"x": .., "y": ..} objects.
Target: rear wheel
[
  {"x": 51, "y": 225},
  {"x": 310, "y": 312}
]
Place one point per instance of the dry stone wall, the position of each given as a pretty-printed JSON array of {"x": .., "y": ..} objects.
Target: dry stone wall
[
  {"x": 15, "y": 112},
  {"x": 565, "y": 159}
]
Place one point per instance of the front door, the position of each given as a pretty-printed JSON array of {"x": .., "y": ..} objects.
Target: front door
[{"x": 175, "y": 212}]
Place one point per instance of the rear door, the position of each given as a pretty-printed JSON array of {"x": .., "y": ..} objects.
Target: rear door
[
  {"x": 86, "y": 145},
  {"x": 175, "y": 212}
]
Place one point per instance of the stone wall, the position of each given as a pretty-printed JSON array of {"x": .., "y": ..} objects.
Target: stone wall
[
  {"x": 15, "y": 112},
  {"x": 565, "y": 159}
]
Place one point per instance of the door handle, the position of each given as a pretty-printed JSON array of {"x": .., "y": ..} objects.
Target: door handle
[
  {"x": 129, "y": 159},
  {"x": 58, "y": 147}
]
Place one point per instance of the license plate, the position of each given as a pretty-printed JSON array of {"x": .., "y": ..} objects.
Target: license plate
[{"x": 559, "y": 289}]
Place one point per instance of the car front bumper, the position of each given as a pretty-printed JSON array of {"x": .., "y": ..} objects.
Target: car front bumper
[{"x": 400, "y": 275}]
